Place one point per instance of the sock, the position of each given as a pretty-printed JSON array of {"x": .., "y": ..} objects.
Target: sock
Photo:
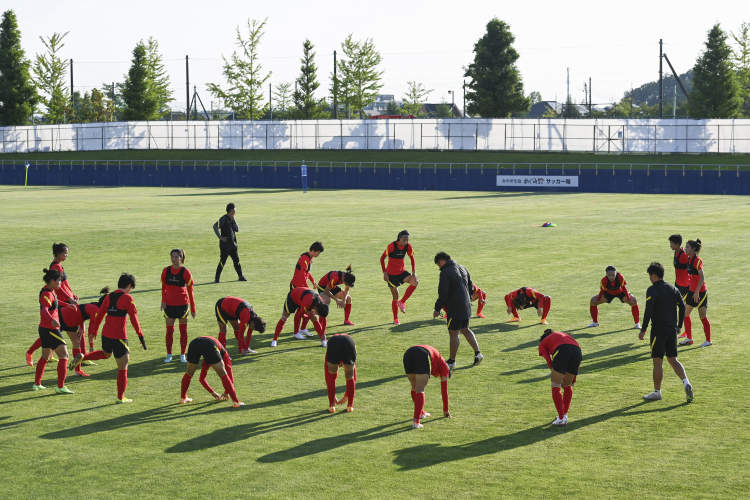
[
  {"x": 279, "y": 327},
  {"x": 706, "y": 328},
  {"x": 91, "y": 343},
  {"x": 480, "y": 306},
  {"x": 414, "y": 396},
  {"x": 394, "y": 307},
  {"x": 320, "y": 329},
  {"x": 76, "y": 352},
  {"x": 351, "y": 384},
  {"x": 40, "y": 366},
  {"x": 558, "y": 399},
  {"x": 169, "y": 337},
  {"x": 347, "y": 311},
  {"x": 331, "y": 386},
  {"x": 62, "y": 371},
  {"x": 636, "y": 313},
  {"x": 223, "y": 339},
  {"x": 36, "y": 345},
  {"x": 444, "y": 394},
  {"x": 408, "y": 293},
  {"x": 418, "y": 405},
  {"x": 689, "y": 327},
  {"x": 185, "y": 384},
  {"x": 122, "y": 382},
  {"x": 183, "y": 338},
  {"x": 657, "y": 391},
  {"x": 229, "y": 388},
  {"x": 95, "y": 355},
  {"x": 685, "y": 381},
  {"x": 240, "y": 340},
  {"x": 83, "y": 345},
  {"x": 323, "y": 324},
  {"x": 547, "y": 306},
  {"x": 297, "y": 319},
  {"x": 567, "y": 396},
  {"x": 249, "y": 337},
  {"x": 594, "y": 311}
]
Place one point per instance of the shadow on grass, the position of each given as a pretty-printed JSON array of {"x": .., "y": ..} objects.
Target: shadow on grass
[
  {"x": 232, "y": 193},
  {"x": 427, "y": 455},
  {"x": 413, "y": 325},
  {"x": 585, "y": 365},
  {"x": 535, "y": 342},
  {"x": 500, "y": 327},
  {"x": 41, "y": 417}
]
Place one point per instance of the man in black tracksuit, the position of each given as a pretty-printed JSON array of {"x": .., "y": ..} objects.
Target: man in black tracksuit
[
  {"x": 225, "y": 230},
  {"x": 454, "y": 293},
  {"x": 666, "y": 309}
]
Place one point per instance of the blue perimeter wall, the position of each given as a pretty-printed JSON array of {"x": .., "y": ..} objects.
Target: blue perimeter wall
[{"x": 601, "y": 180}]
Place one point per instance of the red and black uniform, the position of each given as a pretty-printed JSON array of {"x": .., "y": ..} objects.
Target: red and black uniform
[
  {"x": 72, "y": 319},
  {"x": 332, "y": 280},
  {"x": 562, "y": 354},
  {"x": 422, "y": 359},
  {"x": 526, "y": 297},
  {"x": 341, "y": 350},
  {"x": 610, "y": 290},
  {"x": 64, "y": 292},
  {"x": 176, "y": 294},
  {"x": 212, "y": 352},
  {"x": 695, "y": 265},
  {"x": 49, "y": 335},
  {"x": 681, "y": 274},
  {"x": 396, "y": 272},
  {"x": 300, "y": 299},
  {"x": 481, "y": 296},
  {"x": 302, "y": 272},
  {"x": 240, "y": 310}
]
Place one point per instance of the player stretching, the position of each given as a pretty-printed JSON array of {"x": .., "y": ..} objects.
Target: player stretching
[
  {"x": 215, "y": 356},
  {"x": 341, "y": 351},
  {"x": 612, "y": 287},
  {"x": 421, "y": 361},
  {"x": 72, "y": 321},
  {"x": 697, "y": 295},
  {"x": 526, "y": 297},
  {"x": 328, "y": 288},
  {"x": 114, "y": 308},
  {"x": 395, "y": 275},
  {"x": 176, "y": 294},
  {"x": 681, "y": 275},
  {"x": 308, "y": 302},
  {"x": 300, "y": 278},
  {"x": 477, "y": 294},
  {"x": 49, "y": 333},
  {"x": 241, "y": 315},
  {"x": 563, "y": 356}
]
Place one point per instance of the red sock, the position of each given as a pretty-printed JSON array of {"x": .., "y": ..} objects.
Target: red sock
[
  {"x": 305, "y": 320},
  {"x": 558, "y": 399},
  {"x": 185, "y": 384},
  {"x": 414, "y": 396},
  {"x": 40, "y": 366},
  {"x": 319, "y": 328},
  {"x": 547, "y": 305},
  {"x": 706, "y": 328},
  {"x": 347, "y": 311},
  {"x": 351, "y": 384},
  {"x": 169, "y": 337},
  {"x": 183, "y": 338},
  {"x": 279, "y": 327},
  {"x": 408, "y": 293},
  {"x": 594, "y": 311},
  {"x": 223, "y": 339},
  {"x": 62, "y": 371},
  {"x": 122, "y": 382},
  {"x": 636, "y": 313},
  {"x": 331, "y": 386},
  {"x": 394, "y": 307},
  {"x": 249, "y": 337},
  {"x": 240, "y": 340},
  {"x": 229, "y": 388},
  {"x": 82, "y": 343},
  {"x": 297, "y": 319},
  {"x": 418, "y": 405},
  {"x": 36, "y": 345},
  {"x": 480, "y": 306},
  {"x": 323, "y": 324},
  {"x": 567, "y": 396},
  {"x": 689, "y": 327},
  {"x": 91, "y": 343},
  {"x": 96, "y": 355}
]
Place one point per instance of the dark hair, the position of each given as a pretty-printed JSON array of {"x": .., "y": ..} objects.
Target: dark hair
[
  {"x": 103, "y": 292},
  {"x": 657, "y": 269},
  {"x": 259, "y": 325},
  {"x": 695, "y": 244},
  {"x": 676, "y": 238},
  {"x": 610, "y": 268},
  {"x": 58, "y": 248},
  {"x": 544, "y": 335},
  {"x": 349, "y": 278},
  {"x": 51, "y": 275},
  {"x": 402, "y": 233},
  {"x": 180, "y": 251},
  {"x": 441, "y": 256},
  {"x": 230, "y": 207},
  {"x": 316, "y": 247},
  {"x": 321, "y": 308},
  {"x": 125, "y": 280}
]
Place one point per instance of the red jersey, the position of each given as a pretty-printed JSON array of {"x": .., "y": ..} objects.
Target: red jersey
[
  {"x": 615, "y": 287},
  {"x": 64, "y": 293},
  {"x": 438, "y": 366},
  {"x": 303, "y": 297},
  {"x": 695, "y": 264},
  {"x": 73, "y": 318},
  {"x": 238, "y": 309},
  {"x": 681, "y": 275},
  {"x": 48, "y": 308},
  {"x": 177, "y": 287},
  {"x": 525, "y": 297},
  {"x": 116, "y": 306},
  {"x": 396, "y": 254},
  {"x": 551, "y": 343},
  {"x": 302, "y": 271},
  {"x": 331, "y": 279}
]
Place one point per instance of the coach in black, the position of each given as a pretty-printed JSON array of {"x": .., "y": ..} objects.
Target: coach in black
[
  {"x": 454, "y": 294},
  {"x": 225, "y": 229},
  {"x": 665, "y": 307}
]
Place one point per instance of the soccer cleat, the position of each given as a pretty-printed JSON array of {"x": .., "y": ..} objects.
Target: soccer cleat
[
  {"x": 273, "y": 343},
  {"x": 544, "y": 321},
  {"x": 185, "y": 400},
  {"x": 682, "y": 335},
  {"x": 652, "y": 396},
  {"x": 75, "y": 362},
  {"x": 241, "y": 278},
  {"x": 238, "y": 404},
  {"x": 557, "y": 421},
  {"x": 63, "y": 390},
  {"x": 81, "y": 373},
  {"x": 705, "y": 344},
  {"x": 689, "y": 393},
  {"x": 478, "y": 358},
  {"x": 168, "y": 359},
  {"x": 306, "y": 332},
  {"x": 349, "y": 409},
  {"x": 593, "y": 324},
  {"x": 514, "y": 319},
  {"x": 29, "y": 359},
  {"x": 183, "y": 359},
  {"x": 637, "y": 326},
  {"x": 425, "y": 414},
  {"x": 417, "y": 425},
  {"x": 396, "y": 322},
  {"x": 332, "y": 409},
  {"x": 88, "y": 362},
  {"x": 686, "y": 341},
  {"x": 401, "y": 306},
  {"x": 451, "y": 365},
  {"x": 299, "y": 336},
  {"x": 561, "y": 421},
  {"x": 39, "y": 387},
  {"x": 324, "y": 343},
  {"x": 348, "y": 323},
  {"x": 123, "y": 401},
  {"x": 480, "y": 315},
  {"x": 250, "y": 351}
]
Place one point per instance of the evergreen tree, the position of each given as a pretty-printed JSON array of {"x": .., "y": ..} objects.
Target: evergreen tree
[
  {"x": 50, "y": 71},
  {"x": 139, "y": 104},
  {"x": 307, "y": 83},
  {"x": 741, "y": 59},
  {"x": 18, "y": 96},
  {"x": 715, "y": 93},
  {"x": 496, "y": 88}
]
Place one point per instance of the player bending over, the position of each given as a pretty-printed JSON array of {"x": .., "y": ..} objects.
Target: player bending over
[
  {"x": 563, "y": 356},
  {"x": 215, "y": 356},
  {"x": 421, "y": 361},
  {"x": 526, "y": 297},
  {"x": 613, "y": 287},
  {"x": 341, "y": 351}
]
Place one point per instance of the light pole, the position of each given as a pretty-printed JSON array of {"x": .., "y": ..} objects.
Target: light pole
[
  {"x": 453, "y": 101},
  {"x": 464, "y": 108}
]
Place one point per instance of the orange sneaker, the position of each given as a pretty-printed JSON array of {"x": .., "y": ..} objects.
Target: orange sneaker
[
  {"x": 332, "y": 409},
  {"x": 348, "y": 323},
  {"x": 238, "y": 404},
  {"x": 514, "y": 319},
  {"x": 349, "y": 409},
  {"x": 544, "y": 322}
]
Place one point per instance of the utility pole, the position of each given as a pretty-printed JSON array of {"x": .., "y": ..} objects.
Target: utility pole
[
  {"x": 661, "y": 81},
  {"x": 270, "y": 103},
  {"x": 71, "y": 79},
  {"x": 187, "y": 89},
  {"x": 464, "y": 108},
  {"x": 591, "y": 113},
  {"x": 674, "y": 102},
  {"x": 567, "y": 99},
  {"x": 335, "y": 88}
]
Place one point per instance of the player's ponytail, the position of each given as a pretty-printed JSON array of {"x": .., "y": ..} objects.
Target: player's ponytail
[
  {"x": 544, "y": 335},
  {"x": 349, "y": 268},
  {"x": 52, "y": 275},
  {"x": 695, "y": 245},
  {"x": 103, "y": 293}
]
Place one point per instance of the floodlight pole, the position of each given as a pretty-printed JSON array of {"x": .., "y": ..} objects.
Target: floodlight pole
[
  {"x": 661, "y": 80},
  {"x": 335, "y": 88},
  {"x": 187, "y": 89}
]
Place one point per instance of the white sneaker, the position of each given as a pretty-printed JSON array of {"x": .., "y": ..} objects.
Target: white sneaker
[
  {"x": 591, "y": 325},
  {"x": 560, "y": 421},
  {"x": 168, "y": 359},
  {"x": 250, "y": 351},
  {"x": 653, "y": 396},
  {"x": 306, "y": 333},
  {"x": 706, "y": 343},
  {"x": 273, "y": 343},
  {"x": 686, "y": 341},
  {"x": 689, "y": 393},
  {"x": 324, "y": 343},
  {"x": 417, "y": 425},
  {"x": 637, "y": 326},
  {"x": 478, "y": 359},
  {"x": 299, "y": 336},
  {"x": 183, "y": 359}
]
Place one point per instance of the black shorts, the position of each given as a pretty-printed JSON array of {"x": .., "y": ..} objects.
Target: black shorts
[
  {"x": 683, "y": 290},
  {"x": 203, "y": 346},
  {"x": 67, "y": 328},
  {"x": 117, "y": 347},
  {"x": 702, "y": 300},
  {"x": 609, "y": 297},
  {"x": 221, "y": 315},
  {"x": 663, "y": 344},
  {"x": 396, "y": 280},
  {"x": 51, "y": 337},
  {"x": 457, "y": 323},
  {"x": 567, "y": 359},
  {"x": 417, "y": 360},
  {"x": 289, "y": 305},
  {"x": 334, "y": 291},
  {"x": 176, "y": 312},
  {"x": 341, "y": 349}
]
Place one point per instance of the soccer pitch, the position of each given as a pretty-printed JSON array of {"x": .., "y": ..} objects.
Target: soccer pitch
[{"x": 284, "y": 443}]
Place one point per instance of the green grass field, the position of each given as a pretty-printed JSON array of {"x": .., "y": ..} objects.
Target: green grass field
[{"x": 284, "y": 444}]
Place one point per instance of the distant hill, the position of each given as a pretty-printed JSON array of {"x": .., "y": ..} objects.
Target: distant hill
[{"x": 648, "y": 93}]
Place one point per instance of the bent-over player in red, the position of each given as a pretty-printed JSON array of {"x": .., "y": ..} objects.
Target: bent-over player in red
[
  {"x": 613, "y": 286},
  {"x": 176, "y": 294},
  {"x": 341, "y": 351},
  {"x": 421, "y": 361},
  {"x": 73, "y": 321},
  {"x": 563, "y": 356},
  {"x": 215, "y": 356},
  {"x": 241, "y": 315},
  {"x": 526, "y": 297},
  {"x": 308, "y": 302},
  {"x": 477, "y": 294},
  {"x": 394, "y": 273}
]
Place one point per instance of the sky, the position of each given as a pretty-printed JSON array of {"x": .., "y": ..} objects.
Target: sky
[{"x": 430, "y": 42}]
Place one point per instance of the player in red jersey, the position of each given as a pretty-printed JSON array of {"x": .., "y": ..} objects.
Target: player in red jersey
[
  {"x": 526, "y": 297},
  {"x": 395, "y": 274},
  {"x": 421, "y": 361},
  {"x": 73, "y": 321},
  {"x": 308, "y": 302},
  {"x": 115, "y": 307},
  {"x": 681, "y": 275},
  {"x": 215, "y": 356},
  {"x": 612, "y": 286},
  {"x": 241, "y": 315},
  {"x": 697, "y": 296},
  {"x": 563, "y": 356},
  {"x": 328, "y": 288},
  {"x": 176, "y": 294},
  {"x": 299, "y": 280},
  {"x": 49, "y": 333},
  {"x": 341, "y": 351},
  {"x": 477, "y": 295}
]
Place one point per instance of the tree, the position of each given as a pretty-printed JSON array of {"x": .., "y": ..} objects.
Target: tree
[
  {"x": 715, "y": 93},
  {"x": 18, "y": 96},
  {"x": 495, "y": 88},
  {"x": 307, "y": 83},
  {"x": 416, "y": 96},
  {"x": 282, "y": 95},
  {"x": 443, "y": 110},
  {"x": 139, "y": 103},
  {"x": 360, "y": 79},
  {"x": 244, "y": 74},
  {"x": 392, "y": 108},
  {"x": 49, "y": 77},
  {"x": 157, "y": 80},
  {"x": 741, "y": 60},
  {"x": 534, "y": 97}
]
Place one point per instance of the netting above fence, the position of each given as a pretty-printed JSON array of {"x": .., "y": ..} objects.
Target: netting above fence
[{"x": 612, "y": 136}]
